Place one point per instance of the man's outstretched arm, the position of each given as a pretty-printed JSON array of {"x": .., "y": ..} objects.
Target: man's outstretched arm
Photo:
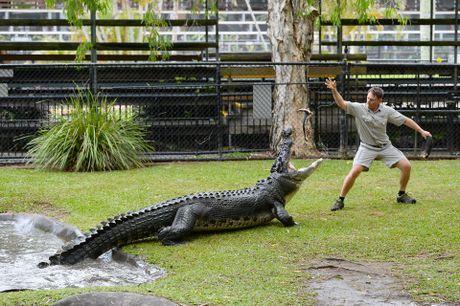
[
  {"x": 337, "y": 97},
  {"x": 413, "y": 125}
]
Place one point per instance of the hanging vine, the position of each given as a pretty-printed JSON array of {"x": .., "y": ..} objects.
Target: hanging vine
[
  {"x": 158, "y": 45},
  {"x": 75, "y": 10}
]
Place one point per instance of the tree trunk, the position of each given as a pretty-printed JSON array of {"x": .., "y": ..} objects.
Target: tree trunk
[{"x": 291, "y": 36}]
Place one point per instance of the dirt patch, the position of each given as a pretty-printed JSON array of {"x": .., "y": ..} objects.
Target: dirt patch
[
  {"x": 39, "y": 207},
  {"x": 341, "y": 282},
  {"x": 48, "y": 209}
]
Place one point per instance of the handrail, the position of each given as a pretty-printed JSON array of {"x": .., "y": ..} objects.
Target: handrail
[
  {"x": 176, "y": 46},
  {"x": 393, "y": 21},
  {"x": 105, "y": 22},
  {"x": 393, "y": 43}
]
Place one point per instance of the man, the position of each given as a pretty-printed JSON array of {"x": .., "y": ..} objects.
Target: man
[{"x": 371, "y": 119}]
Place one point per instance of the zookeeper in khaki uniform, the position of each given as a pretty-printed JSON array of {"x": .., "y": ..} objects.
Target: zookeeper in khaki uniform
[{"x": 371, "y": 121}]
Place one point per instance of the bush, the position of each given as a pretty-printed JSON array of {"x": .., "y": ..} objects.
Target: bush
[{"x": 93, "y": 137}]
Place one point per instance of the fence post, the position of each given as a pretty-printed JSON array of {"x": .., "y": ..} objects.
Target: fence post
[
  {"x": 342, "y": 115},
  {"x": 417, "y": 110},
  {"x": 219, "y": 107},
  {"x": 93, "y": 71}
]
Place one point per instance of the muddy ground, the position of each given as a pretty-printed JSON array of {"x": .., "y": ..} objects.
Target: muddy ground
[{"x": 340, "y": 282}]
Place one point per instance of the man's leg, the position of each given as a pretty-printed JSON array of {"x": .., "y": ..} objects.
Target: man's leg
[
  {"x": 350, "y": 179},
  {"x": 346, "y": 186},
  {"x": 405, "y": 167},
  {"x": 394, "y": 158}
]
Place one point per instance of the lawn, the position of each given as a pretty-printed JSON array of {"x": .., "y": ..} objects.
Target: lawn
[{"x": 264, "y": 265}]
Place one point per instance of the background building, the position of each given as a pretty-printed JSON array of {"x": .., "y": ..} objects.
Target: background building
[{"x": 243, "y": 28}]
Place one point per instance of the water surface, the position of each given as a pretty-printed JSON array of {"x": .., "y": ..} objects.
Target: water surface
[{"x": 24, "y": 243}]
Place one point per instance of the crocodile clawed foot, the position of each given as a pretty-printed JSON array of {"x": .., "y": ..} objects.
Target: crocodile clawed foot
[{"x": 164, "y": 233}]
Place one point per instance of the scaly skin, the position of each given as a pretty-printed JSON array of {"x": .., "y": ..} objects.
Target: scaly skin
[{"x": 208, "y": 211}]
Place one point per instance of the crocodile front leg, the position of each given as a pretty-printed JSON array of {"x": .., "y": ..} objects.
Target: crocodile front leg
[
  {"x": 183, "y": 224},
  {"x": 282, "y": 214}
]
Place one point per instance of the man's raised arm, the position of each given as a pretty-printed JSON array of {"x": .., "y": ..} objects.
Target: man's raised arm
[{"x": 337, "y": 97}]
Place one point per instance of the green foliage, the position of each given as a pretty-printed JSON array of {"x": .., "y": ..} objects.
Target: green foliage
[
  {"x": 94, "y": 137},
  {"x": 363, "y": 10},
  {"x": 158, "y": 45},
  {"x": 82, "y": 49},
  {"x": 76, "y": 9},
  {"x": 336, "y": 13},
  {"x": 306, "y": 9}
]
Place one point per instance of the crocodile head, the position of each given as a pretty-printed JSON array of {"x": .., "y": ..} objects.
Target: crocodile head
[
  {"x": 288, "y": 182},
  {"x": 288, "y": 177},
  {"x": 297, "y": 176}
]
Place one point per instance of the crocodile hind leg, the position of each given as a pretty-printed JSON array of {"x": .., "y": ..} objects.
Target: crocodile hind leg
[{"x": 183, "y": 224}]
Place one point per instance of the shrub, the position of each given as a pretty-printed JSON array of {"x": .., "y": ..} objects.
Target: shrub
[{"x": 93, "y": 137}]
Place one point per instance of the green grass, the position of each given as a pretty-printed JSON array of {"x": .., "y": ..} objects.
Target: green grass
[{"x": 264, "y": 265}]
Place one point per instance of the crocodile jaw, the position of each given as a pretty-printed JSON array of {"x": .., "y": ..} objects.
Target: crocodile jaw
[{"x": 303, "y": 173}]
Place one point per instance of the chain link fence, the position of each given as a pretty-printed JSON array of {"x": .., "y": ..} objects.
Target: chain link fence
[{"x": 224, "y": 109}]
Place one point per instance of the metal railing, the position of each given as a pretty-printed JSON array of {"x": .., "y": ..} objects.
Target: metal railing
[{"x": 200, "y": 108}]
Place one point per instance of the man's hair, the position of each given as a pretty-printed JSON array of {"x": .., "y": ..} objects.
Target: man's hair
[{"x": 377, "y": 91}]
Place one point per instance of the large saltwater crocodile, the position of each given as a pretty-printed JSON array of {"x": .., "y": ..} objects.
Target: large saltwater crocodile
[{"x": 173, "y": 219}]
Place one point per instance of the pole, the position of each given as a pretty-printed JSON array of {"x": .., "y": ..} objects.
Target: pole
[
  {"x": 431, "y": 30},
  {"x": 206, "y": 12},
  {"x": 217, "y": 32},
  {"x": 320, "y": 26},
  {"x": 93, "y": 52},
  {"x": 219, "y": 108},
  {"x": 456, "y": 35}
]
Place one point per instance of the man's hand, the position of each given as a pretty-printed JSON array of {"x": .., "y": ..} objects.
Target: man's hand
[
  {"x": 331, "y": 84},
  {"x": 425, "y": 134},
  {"x": 337, "y": 97}
]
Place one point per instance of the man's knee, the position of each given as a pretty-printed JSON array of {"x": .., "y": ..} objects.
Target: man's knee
[
  {"x": 404, "y": 165},
  {"x": 356, "y": 170}
]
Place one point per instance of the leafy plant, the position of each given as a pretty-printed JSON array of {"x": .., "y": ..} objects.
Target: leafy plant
[
  {"x": 94, "y": 137},
  {"x": 157, "y": 43},
  {"x": 76, "y": 9},
  {"x": 82, "y": 49},
  {"x": 363, "y": 10}
]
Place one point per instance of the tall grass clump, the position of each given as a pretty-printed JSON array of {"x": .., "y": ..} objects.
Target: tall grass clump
[{"x": 93, "y": 137}]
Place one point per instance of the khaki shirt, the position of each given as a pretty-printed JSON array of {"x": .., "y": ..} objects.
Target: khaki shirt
[{"x": 372, "y": 126}]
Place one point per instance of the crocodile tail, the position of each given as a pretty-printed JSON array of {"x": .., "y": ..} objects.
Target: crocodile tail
[{"x": 116, "y": 232}]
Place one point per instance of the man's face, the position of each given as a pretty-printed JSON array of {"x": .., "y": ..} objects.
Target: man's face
[{"x": 373, "y": 101}]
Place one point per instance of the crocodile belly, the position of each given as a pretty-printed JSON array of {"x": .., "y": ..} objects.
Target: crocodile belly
[{"x": 232, "y": 223}]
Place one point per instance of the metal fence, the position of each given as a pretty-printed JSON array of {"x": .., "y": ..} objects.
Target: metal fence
[{"x": 191, "y": 109}]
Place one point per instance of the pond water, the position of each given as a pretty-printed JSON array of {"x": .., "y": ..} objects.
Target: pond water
[{"x": 26, "y": 240}]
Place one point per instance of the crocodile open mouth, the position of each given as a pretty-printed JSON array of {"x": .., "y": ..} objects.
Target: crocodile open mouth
[{"x": 302, "y": 173}]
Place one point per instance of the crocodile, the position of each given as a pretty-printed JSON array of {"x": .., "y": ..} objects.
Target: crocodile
[{"x": 173, "y": 219}]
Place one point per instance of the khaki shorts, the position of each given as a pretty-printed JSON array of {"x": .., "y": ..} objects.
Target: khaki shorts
[{"x": 366, "y": 154}]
